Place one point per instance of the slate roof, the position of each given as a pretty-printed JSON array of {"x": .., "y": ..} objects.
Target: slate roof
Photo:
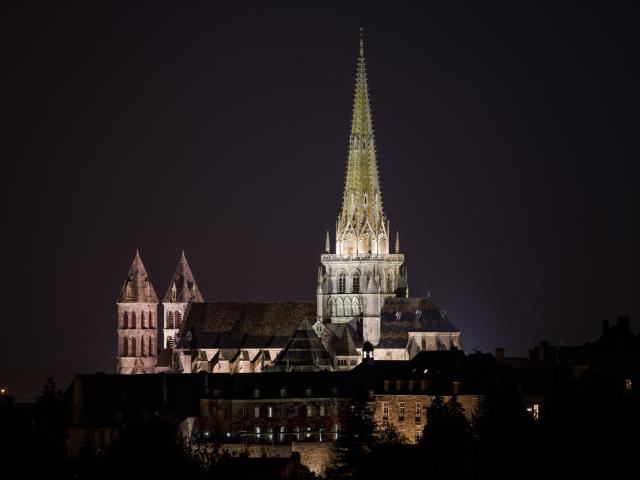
[
  {"x": 394, "y": 332},
  {"x": 183, "y": 287},
  {"x": 242, "y": 325},
  {"x": 304, "y": 349},
  {"x": 341, "y": 339},
  {"x": 137, "y": 287}
]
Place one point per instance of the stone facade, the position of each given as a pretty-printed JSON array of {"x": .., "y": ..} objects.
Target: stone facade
[{"x": 408, "y": 413}]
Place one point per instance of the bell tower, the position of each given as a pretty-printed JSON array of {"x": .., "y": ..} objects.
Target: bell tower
[
  {"x": 137, "y": 322},
  {"x": 354, "y": 281}
]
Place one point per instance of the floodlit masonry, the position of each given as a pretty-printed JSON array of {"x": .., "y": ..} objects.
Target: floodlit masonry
[{"x": 362, "y": 297}]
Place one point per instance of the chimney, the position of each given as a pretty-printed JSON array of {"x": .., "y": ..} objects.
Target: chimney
[
  {"x": 605, "y": 327},
  {"x": 499, "y": 355},
  {"x": 623, "y": 323}
]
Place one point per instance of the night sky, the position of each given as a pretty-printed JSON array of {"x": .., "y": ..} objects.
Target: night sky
[{"x": 507, "y": 144}]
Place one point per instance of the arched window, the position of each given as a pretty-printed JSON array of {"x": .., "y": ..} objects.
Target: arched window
[
  {"x": 151, "y": 347},
  {"x": 143, "y": 347},
  {"x": 125, "y": 347},
  {"x": 355, "y": 283},
  {"x": 143, "y": 321},
  {"x": 340, "y": 308},
  {"x": 134, "y": 323},
  {"x": 134, "y": 350},
  {"x": 125, "y": 320},
  {"x": 389, "y": 281},
  {"x": 347, "y": 307},
  {"x": 151, "y": 324},
  {"x": 355, "y": 306},
  {"x": 170, "y": 342},
  {"x": 342, "y": 282},
  {"x": 332, "y": 307},
  {"x": 170, "y": 321},
  {"x": 178, "y": 319}
]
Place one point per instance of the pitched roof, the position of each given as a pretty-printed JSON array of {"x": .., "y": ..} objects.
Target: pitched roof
[
  {"x": 304, "y": 349},
  {"x": 137, "y": 287},
  {"x": 417, "y": 314},
  {"x": 348, "y": 343},
  {"x": 341, "y": 339},
  {"x": 246, "y": 325},
  {"x": 183, "y": 287}
]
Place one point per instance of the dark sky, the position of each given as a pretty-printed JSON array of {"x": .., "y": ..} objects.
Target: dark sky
[{"x": 507, "y": 141}]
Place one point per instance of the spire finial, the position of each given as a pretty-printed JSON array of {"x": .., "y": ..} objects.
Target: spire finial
[
  {"x": 361, "y": 42},
  {"x": 398, "y": 241},
  {"x": 327, "y": 244}
]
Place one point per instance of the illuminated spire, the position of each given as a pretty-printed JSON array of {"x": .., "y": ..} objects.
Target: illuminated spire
[
  {"x": 362, "y": 225},
  {"x": 137, "y": 287}
]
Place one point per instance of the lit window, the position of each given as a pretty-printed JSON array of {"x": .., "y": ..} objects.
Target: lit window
[
  {"x": 401, "y": 412},
  {"x": 322, "y": 410},
  {"x": 283, "y": 392},
  {"x": 418, "y": 434},
  {"x": 534, "y": 410},
  {"x": 256, "y": 412},
  {"x": 418, "y": 411},
  {"x": 309, "y": 411},
  {"x": 628, "y": 384},
  {"x": 256, "y": 393},
  {"x": 309, "y": 392},
  {"x": 270, "y": 412},
  {"x": 281, "y": 436},
  {"x": 385, "y": 410},
  {"x": 257, "y": 433},
  {"x": 243, "y": 412}
]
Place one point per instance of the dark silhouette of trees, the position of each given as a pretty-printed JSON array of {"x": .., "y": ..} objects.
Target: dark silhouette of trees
[
  {"x": 448, "y": 441},
  {"x": 356, "y": 438}
]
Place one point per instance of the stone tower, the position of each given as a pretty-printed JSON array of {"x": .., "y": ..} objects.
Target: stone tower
[
  {"x": 354, "y": 281},
  {"x": 137, "y": 322},
  {"x": 181, "y": 291}
]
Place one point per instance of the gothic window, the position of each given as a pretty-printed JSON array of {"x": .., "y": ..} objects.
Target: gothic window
[
  {"x": 125, "y": 321},
  {"x": 125, "y": 347},
  {"x": 342, "y": 282},
  {"x": 134, "y": 323},
  {"x": 151, "y": 324},
  {"x": 355, "y": 306},
  {"x": 134, "y": 352},
  {"x": 178, "y": 319},
  {"x": 151, "y": 346},
  {"x": 170, "y": 323},
  {"x": 332, "y": 307},
  {"x": 389, "y": 281},
  {"x": 169, "y": 342},
  {"x": 355, "y": 283},
  {"x": 143, "y": 347},
  {"x": 347, "y": 307},
  {"x": 143, "y": 321},
  {"x": 340, "y": 308}
]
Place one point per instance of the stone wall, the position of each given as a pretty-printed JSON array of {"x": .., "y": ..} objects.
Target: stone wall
[
  {"x": 316, "y": 456},
  {"x": 411, "y": 424}
]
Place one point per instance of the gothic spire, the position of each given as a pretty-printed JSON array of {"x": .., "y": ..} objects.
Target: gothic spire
[
  {"x": 183, "y": 287},
  {"x": 362, "y": 221},
  {"x": 137, "y": 287}
]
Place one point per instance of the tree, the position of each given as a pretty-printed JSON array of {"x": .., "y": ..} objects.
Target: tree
[
  {"x": 389, "y": 435},
  {"x": 356, "y": 437},
  {"x": 448, "y": 439}
]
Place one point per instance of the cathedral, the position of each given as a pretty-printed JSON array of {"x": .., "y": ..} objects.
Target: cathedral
[{"x": 362, "y": 307}]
